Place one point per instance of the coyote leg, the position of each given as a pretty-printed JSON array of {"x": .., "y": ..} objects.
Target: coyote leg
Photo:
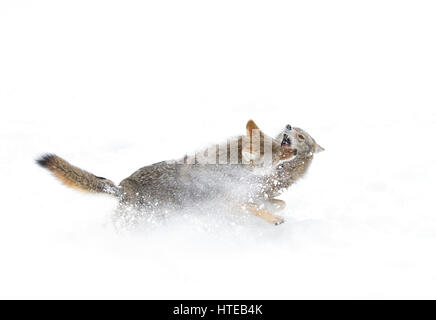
[
  {"x": 275, "y": 204},
  {"x": 263, "y": 214}
]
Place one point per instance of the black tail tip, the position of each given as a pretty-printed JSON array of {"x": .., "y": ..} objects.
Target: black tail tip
[{"x": 44, "y": 160}]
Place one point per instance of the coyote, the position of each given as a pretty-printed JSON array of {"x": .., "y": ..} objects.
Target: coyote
[{"x": 233, "y": 171}]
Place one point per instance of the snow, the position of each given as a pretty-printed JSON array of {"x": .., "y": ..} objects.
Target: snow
[{"x": 113, "y": 86}]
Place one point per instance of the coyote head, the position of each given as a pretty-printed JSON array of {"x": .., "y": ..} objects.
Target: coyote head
[{"x": 300, "y": 140}]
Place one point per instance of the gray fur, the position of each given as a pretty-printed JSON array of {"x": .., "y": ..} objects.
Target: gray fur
[
  {"x": 263, "y": 168},
  {"x": 189, "y": 182}
]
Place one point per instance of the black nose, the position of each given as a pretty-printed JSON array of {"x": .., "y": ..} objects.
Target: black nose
[
  {"x": 288, "y": 127},
  {"x": 295, "y": 152}
]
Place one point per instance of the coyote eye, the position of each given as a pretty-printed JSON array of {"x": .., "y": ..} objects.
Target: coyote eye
[{"x": 301, "y": 137}]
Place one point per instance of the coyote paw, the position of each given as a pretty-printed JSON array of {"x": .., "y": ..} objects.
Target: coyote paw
[{"x": 278, "y": 220}]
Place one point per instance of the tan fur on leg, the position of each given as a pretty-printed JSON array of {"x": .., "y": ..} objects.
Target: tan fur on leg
[
  {"x": 275, "y": 204},
  {"x": 263, "y": 214}
]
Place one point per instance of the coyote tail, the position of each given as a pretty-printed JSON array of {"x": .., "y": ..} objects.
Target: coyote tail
[{"x": 75, "y": 177}]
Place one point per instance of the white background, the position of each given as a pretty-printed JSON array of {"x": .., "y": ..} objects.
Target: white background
[{"x": 116, "y": 85}]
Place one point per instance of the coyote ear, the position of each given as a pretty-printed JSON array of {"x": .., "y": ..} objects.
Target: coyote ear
[
  {"x": 318, "y": 148},
  {"x": 252, "y": 126}
]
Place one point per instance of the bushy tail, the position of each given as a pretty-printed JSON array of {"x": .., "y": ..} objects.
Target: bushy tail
[{"x": 75, "y": 177}]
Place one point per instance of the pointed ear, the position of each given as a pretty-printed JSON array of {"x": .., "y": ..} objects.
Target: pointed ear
[
  {"x": 318, "y": 148},
  {"x": 252, "y": 126}
]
